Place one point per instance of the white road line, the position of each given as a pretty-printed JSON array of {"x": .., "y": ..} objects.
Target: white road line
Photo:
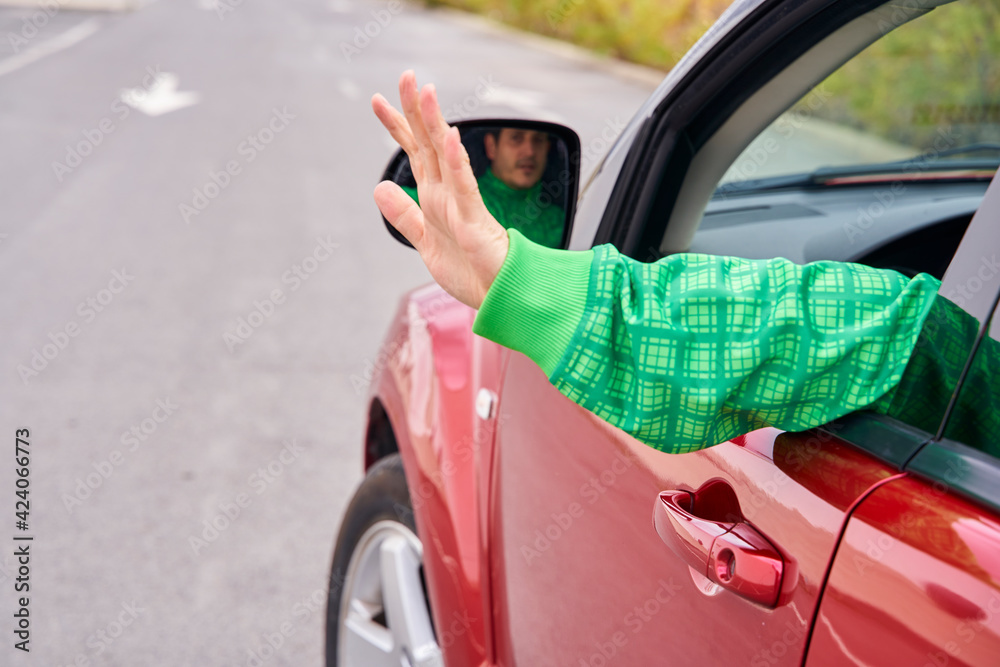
[
  {"x": 82, "y": 5},
  {"x": 64, "y": 41}
]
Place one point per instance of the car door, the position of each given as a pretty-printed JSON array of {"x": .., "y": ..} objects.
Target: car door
[
  {"x": 581, "y": 575},
  {"x": 603, "y": 549}
]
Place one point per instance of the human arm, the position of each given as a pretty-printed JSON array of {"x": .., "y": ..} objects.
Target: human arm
[
  {"x": 693, "y": 350},
  {"x": 682, "y": 354}
]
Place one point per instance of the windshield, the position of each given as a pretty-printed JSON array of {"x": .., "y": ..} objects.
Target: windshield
[{"x": 922, "y": 103}]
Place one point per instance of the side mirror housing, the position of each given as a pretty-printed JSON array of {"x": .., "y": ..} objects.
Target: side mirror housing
[{"x": 528, "y": 173}]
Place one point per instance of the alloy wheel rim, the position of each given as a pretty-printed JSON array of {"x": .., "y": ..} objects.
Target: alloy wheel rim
[{"x": 384, "y": 619}]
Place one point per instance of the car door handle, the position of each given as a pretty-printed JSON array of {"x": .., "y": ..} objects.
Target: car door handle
[{"x": 730, "y": 553}]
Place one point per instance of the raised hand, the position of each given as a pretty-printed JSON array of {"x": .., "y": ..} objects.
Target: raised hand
[{"x": 462, "y": 245}]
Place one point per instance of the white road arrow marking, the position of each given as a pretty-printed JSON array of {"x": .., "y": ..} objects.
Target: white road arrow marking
[
  {"x": 67, "y": 39},
  {"x": 161, "y": 97}
]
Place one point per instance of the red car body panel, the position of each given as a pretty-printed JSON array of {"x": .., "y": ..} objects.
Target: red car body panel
[
  {"x": 509, "y": 531},
  {"x": 514, "y": 512},
  {"x": 573, "y": 501},
  {"x": 916, "y": 581},
  {"x": 431, "y": 368}
]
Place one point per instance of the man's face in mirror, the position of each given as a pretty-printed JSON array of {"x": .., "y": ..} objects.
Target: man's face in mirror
[{"x": 518, "y": 156}]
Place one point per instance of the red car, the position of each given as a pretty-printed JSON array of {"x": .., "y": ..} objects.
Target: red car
[{"x": 499, "y": 523}]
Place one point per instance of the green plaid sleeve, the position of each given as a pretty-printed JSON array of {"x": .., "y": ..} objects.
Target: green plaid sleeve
[{"x": 694, "y": 349}]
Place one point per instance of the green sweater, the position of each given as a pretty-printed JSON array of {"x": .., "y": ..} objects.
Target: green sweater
[
  {"x": 530, "y": 211},
  {"x": 694, "y": 350}
]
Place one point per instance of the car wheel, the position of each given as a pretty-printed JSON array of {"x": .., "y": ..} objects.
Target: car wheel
[{"x": 377, "y": 612}]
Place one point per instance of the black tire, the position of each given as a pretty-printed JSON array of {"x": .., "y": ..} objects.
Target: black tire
[{"x": 382, "y": 496}]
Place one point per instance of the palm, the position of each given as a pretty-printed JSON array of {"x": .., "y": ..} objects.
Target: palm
[{"x": 462, "y": 245}]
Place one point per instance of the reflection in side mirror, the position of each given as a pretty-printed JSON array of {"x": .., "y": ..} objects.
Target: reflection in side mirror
[{"x": 528, "y": 174}]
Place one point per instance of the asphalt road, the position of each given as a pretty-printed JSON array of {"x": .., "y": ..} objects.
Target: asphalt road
[{"x": 188, "y": 472}]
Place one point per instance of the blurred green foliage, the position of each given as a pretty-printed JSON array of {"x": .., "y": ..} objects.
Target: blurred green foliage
[
  {"x": 940, "y": 71},
  {"x": 642, "y": 31}
]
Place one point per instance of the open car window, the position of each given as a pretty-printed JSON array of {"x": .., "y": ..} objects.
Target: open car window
[
  {"x": 883, "y": 162},
  {"x": 921, "y": 103}
]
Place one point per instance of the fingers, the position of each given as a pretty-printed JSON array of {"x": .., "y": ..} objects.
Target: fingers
[
  {"x": 399, "y": 128},
  {"x": 428, "y": 155},
  {"x": 463, "y": 181},
  {"x": 436, "y": 156},
  {"x": 437, "y": 128},
  {"x": 401, "y": 211},
  {"x": 456, "y": 170}
]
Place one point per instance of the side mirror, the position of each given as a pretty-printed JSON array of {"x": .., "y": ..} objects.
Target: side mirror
[{"x": 528, "y": 173}]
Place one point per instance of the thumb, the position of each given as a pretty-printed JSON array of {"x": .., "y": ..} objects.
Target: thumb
[{"x": 401, "y": 211}]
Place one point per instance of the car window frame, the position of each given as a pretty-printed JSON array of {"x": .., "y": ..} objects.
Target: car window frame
[{"x": 770, "y": 39}]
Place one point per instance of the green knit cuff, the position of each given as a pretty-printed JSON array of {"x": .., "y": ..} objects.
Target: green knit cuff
[{"x": 536, "y": 302}]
